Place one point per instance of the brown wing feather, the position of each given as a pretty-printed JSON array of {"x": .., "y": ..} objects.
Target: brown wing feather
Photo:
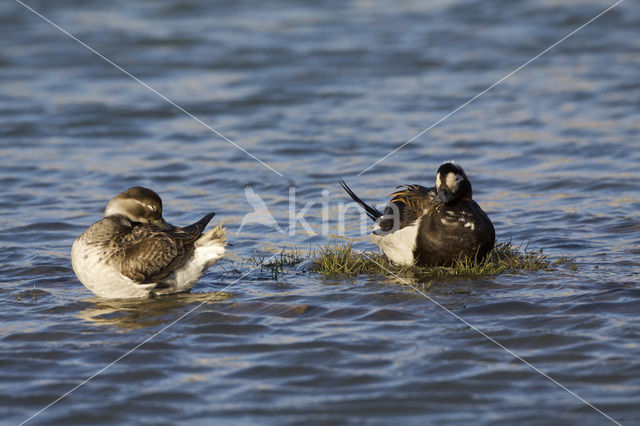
[
  {"x": 149, "y": 254},
  {"x": 407, "y": 204},
  {"x": 416, "y": 197},
  {"x": 152, "y": 254}
]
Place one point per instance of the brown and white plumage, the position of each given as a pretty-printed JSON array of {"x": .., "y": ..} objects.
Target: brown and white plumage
[
  {"x": 133, "y": 252},
  {"x": 431, "y": 226}
]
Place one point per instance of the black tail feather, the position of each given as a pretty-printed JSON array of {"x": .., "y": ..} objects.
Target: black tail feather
[
  {"x": 372, "y": 212},
  {"x": 198, "y": 227}
]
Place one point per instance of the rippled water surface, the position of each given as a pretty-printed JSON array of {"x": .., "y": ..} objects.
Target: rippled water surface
[{"x": 319, "y": 90}]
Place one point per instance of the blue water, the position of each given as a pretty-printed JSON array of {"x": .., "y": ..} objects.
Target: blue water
[{"x": 318, "y": 91}]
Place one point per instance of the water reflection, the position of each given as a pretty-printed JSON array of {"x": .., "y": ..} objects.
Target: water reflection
[{"x": 129, "y": 315}]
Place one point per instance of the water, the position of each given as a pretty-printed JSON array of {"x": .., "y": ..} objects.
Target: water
[{"x": 319, "y": 90}]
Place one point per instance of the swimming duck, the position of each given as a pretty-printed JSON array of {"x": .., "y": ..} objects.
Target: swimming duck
[
  {"x": 431, "y": 226},
  {"x": 133, "y": 252}
]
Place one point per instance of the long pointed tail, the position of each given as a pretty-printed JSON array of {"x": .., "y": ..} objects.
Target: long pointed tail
[
  {"x": 198, "y": 227},
  {"x": 372, "y": 212}
]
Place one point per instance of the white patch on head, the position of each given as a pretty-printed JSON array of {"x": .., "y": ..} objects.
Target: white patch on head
[
  {"x": 452, "y": 181},
  {"x": 118, "y": 206},
  {"x": 398, "y": 246},
  {"x": 438, "y": 181}
]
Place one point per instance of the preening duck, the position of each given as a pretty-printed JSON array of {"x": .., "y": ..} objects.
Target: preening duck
[
  {"x": 431, "y": 226},
  {"x": 133, "y": 252}
]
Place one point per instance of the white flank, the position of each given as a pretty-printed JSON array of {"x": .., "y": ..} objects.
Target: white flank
[
  {"x": 203, "y": 256},
  {"x": 398, "y": 246},
  {"x": 102, "y": 279}
]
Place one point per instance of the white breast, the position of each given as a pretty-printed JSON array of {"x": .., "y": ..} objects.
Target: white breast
[{"x": 104, "y": 280}]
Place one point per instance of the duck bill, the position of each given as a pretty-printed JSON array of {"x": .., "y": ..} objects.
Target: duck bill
[
  {"x": 162, "y": 224},
  {"x": 444, "y": 196}
]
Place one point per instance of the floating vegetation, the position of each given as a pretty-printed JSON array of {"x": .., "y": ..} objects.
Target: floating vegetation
[
  {"x": 343, "y": 259},
  {"x": 564, "y": 260},
  {"x": 33, "y": 294},
  {"x": 276, "y": 265}
]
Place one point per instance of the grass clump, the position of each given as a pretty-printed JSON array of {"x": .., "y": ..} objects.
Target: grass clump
[
  {"x": 564, "y": 260},
  {"x": 275, "y": 265},
  {"x": 343, "y": 259}
]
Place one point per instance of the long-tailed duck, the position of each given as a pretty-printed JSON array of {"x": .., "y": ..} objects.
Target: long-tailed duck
[
  {"x": 133, "y": 252},
  {"x": 431, "y": 226}
]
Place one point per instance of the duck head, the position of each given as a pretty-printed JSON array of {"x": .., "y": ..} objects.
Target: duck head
[
  {"x": 139, "y": 205},
  {"x": 452, "y": 183}
]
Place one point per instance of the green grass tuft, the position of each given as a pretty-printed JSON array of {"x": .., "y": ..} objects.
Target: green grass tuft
[
  {"x": 286, "y": 258},
  {"x": 564, "y": 260},
  {"x": 343, "y": 259}
]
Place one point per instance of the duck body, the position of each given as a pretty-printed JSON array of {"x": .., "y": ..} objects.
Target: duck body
[
  {"x": 432, "y": 226},
  {"x": 451, "y": 232},
  {"x": 132, "y": 252}
]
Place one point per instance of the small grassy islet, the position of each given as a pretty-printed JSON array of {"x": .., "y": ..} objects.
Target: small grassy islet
[{"x": 342, "y": 259}]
